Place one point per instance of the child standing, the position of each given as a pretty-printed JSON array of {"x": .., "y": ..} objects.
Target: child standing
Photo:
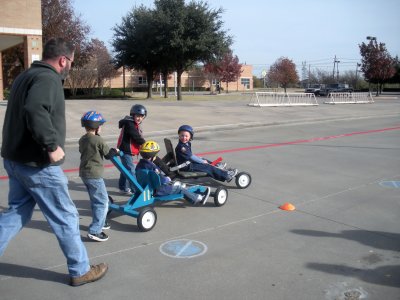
[
  {"x": 129, "y": 142},
  {"x": 149, "y": 151},
  {"x": 93, "y": 149},
  {"x": 184, "y": 153}
]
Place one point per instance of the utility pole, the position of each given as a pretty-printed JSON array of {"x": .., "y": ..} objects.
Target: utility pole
[{"x": 335, "y": 65}]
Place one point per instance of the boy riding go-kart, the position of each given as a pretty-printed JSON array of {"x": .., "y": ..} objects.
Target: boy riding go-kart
[{"x": 188, "y": 165}]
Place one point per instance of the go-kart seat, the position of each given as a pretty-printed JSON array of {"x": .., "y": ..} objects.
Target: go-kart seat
[
  {"x": 173, "y": 163},
  {"x": 148, "y": 178}
]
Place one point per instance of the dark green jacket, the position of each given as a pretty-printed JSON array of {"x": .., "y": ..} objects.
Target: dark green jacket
[
  {"x": 93, "y": 149},
  {"x": 35, "y": 118}
]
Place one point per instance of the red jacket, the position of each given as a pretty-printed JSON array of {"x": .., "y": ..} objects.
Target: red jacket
[{"x": 130, "y": 139}]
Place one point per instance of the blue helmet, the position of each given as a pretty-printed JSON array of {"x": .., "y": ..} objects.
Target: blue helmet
[
  {"x": 187, "y": 128},
  {"x": 92, "y": 119}
]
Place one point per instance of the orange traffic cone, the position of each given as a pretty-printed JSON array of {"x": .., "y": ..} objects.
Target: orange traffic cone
[{"x": 287, "y": 206}]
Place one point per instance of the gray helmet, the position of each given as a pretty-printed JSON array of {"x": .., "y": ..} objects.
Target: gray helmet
[{"x": 138, "y": 109}]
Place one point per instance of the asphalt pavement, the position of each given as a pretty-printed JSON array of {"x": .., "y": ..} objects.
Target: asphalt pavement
[{"x": 337, "y": 164}]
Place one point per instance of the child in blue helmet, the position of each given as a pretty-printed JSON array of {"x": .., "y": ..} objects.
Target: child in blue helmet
[
  {"x": 93, "y": 149},
  {"x": 184, "y": 154}
]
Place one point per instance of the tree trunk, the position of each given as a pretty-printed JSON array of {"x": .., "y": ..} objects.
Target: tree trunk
[
  {"x": 179, "y": 83},
  {"x": 165, "y": 75}
]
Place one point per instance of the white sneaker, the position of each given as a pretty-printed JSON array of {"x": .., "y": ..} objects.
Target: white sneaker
[
  {"x": 127, "y": 192},
  {"x": 231, "y": 174},
  {"x": 198, "y": 199}
]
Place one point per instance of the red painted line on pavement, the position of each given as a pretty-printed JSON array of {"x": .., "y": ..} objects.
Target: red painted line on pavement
[
  {"x": 300, "y": 141},
  {"x": 267, "y": 145}
]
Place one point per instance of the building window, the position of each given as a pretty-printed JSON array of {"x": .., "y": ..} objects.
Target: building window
[
  {"x": 245, "y": 82},
  {"x": 142, "y": 80}
]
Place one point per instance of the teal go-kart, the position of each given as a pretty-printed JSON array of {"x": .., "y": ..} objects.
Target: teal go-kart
[{"x": 140, "y": 205}]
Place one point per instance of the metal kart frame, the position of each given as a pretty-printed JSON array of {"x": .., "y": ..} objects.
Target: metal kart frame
[
  {"x": 140, "y": 204},
  {"x": 242, "y": 179}
]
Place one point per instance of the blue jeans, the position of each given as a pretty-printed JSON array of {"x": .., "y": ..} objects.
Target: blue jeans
[
  {"x": 127, "y": 162},
  {"x": 48, "y": 188},
  {"x": 214, "y": 172},
  {"x": 98, "y": 202}
]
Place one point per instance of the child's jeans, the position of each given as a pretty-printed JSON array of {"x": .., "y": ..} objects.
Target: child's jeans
[
  {"x": 127, "y": 162},
  {"x": 168, "y": 189},
  {"x": 98, "y": 202},
  {"x": 214, "y": 172}
]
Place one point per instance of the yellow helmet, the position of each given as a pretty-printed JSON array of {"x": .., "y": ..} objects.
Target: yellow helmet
[{"x": 149, "y": 149}]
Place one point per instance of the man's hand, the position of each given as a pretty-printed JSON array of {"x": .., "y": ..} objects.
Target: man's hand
[{"x": 57, "y": 155}]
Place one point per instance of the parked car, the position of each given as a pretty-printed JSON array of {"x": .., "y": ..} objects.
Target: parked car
[
  {"x": 314, "y": 88},
  {"x": 335, "y": 88}
]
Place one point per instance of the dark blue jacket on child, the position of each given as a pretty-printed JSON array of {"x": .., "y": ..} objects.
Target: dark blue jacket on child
[{"x": 184, "y": 153}]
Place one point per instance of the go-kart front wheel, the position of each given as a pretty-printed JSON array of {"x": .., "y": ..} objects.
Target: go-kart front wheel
[
  {"x": 220, "y": 196},
  {"x": 243, "y": 180},
  {"x": 147, "y": 219}
]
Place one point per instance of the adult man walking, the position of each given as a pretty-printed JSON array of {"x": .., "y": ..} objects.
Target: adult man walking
[{"x": 33, "y": 141}]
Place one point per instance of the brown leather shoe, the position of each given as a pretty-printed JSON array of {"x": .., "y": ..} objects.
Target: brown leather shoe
[{"x": 95, "y": 273}]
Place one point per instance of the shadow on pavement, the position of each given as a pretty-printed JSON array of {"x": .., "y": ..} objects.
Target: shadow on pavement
[{"x": 13, "y": 270}]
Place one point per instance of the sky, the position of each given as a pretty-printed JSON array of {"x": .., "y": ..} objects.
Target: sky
[{"x": 309, "y": 32}]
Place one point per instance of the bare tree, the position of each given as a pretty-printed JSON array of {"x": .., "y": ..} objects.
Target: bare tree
[
  {"x": 60, "y": 20},
  {"x": 102, "y": 63}
]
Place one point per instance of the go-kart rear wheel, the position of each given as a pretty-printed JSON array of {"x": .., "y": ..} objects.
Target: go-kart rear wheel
[
  {"x": 110, "y": 201},
  {"x": 220, "y": 196},
  {"x": 147, "y": 219},
  {"x": 243, "y": 180}
]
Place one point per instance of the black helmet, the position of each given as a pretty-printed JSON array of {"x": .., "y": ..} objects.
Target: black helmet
[
  {"x": 187, "y": 128},
  {"x": 138, "y": 109}
]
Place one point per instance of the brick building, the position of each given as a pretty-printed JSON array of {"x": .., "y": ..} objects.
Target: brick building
[
  {"x": 193, "y": 80},
  {"x": 20, "y": 23}
]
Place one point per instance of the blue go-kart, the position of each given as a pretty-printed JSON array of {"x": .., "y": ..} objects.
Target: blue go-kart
[{"x": 140, "y": 204}]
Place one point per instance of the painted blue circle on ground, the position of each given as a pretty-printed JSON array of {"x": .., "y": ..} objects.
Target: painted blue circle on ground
[
  {"x": 390, "y": 184},
  {"x": 183, "y": 248}
]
